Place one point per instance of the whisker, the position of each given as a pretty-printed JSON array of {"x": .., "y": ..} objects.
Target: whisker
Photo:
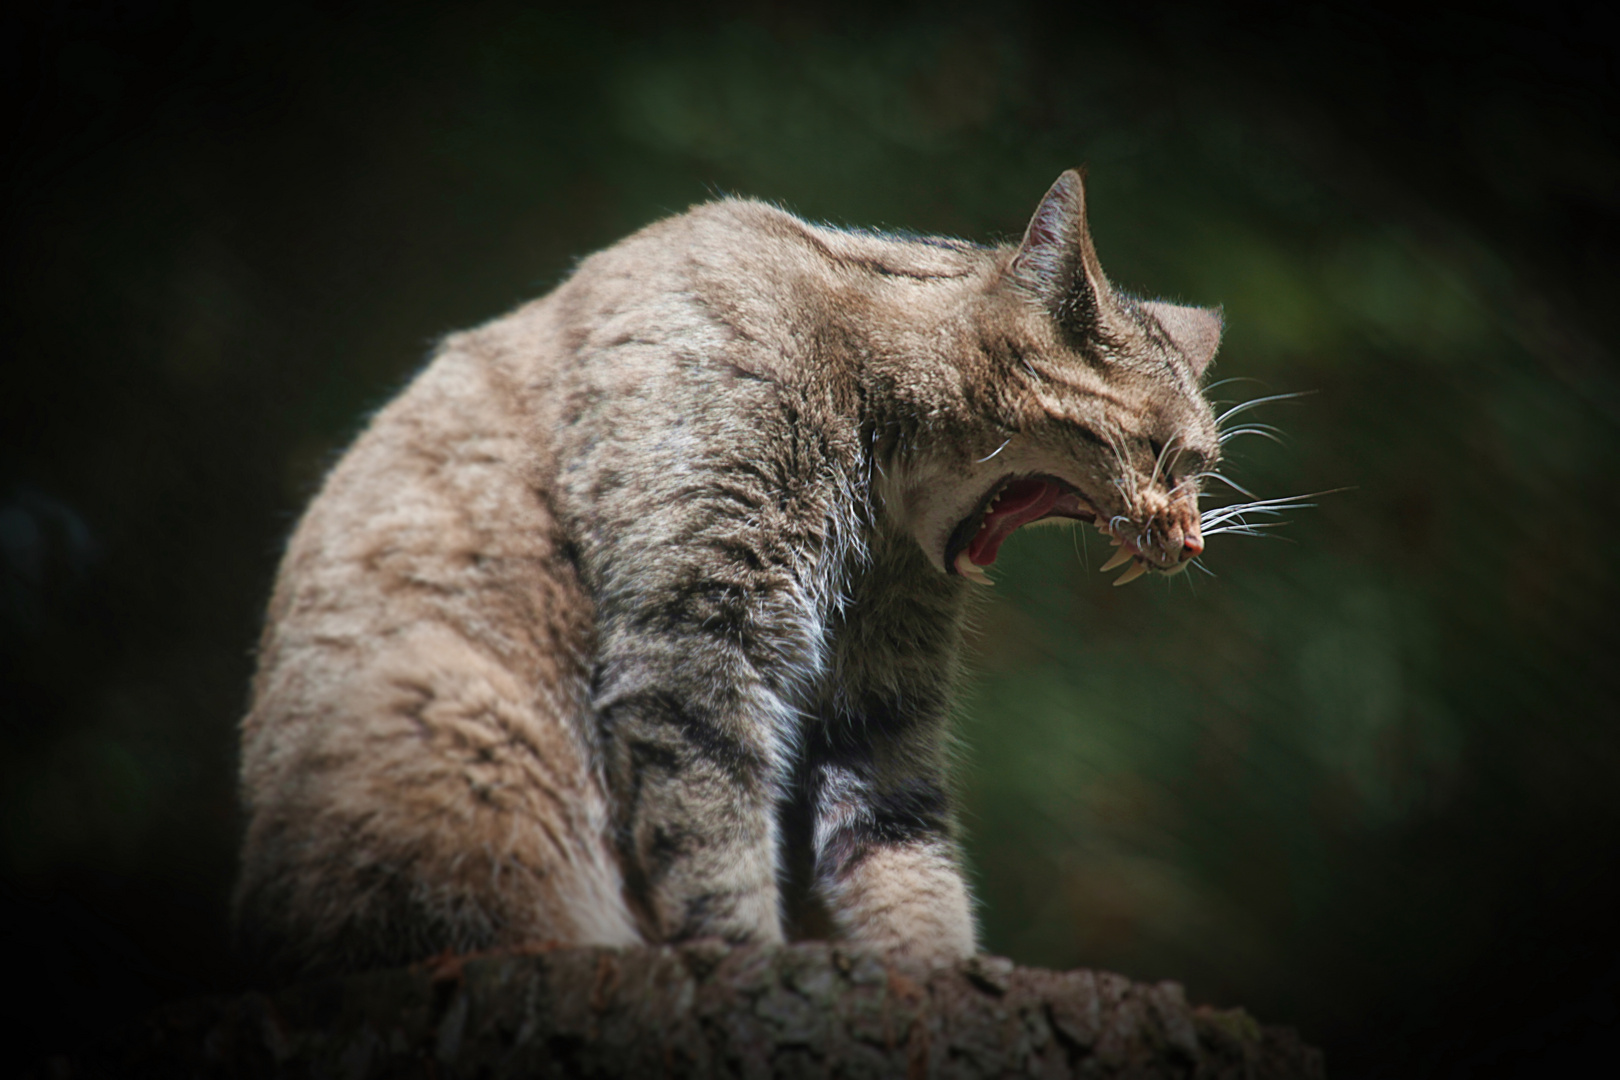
[
  {"x": 1184, "y": 482},
  {"x": 1269, "y": 506},
  {"x": 1116, "y": 443},
  {"x": 1217, "y": 514},
  {"x": 1282, "y": 499},
  {"x": 1222, "y": 516},
  {"x": 1246, "y": 528},
  {"x": 1234, "y": 485},
  {"x": 1235, "y": 378},
  {"x": 1233, "y": 518},
  {"x": 1159, "y": 464},
  {"x": 1263, "y": 430},
  {"x": 994, "y": 452},
  {"x": 1255, "y": 402},
  {"x": 1238, "y": 531}
]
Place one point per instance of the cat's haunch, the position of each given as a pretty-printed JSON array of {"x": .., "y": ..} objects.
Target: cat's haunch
[{"x": 635, "y": 617}]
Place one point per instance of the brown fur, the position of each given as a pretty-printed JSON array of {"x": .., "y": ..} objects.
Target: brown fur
[{"x": 639, "y": 601}]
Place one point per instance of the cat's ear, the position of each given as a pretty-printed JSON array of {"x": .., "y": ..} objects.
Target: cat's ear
[
  {"x": 1195, "y": 331},
  {"x": 1056, "y": 262}
]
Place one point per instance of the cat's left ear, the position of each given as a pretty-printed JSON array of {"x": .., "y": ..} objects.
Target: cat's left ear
[
  {"x": 1056, "y": 262},
  {"x": 1195, "y": 331}
]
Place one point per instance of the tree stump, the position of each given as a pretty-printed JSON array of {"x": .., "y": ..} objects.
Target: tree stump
[{"x": 700, "y": 1011}]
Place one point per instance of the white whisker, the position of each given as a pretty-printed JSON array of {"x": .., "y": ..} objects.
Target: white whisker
[
  {"x": 1282, "y": 500},
  {"x": 1245, "y": 529},
  {"x": 1235, "y": 378},
  {"x": 1254, "y": 402},
  {"x": 994, "y": 452},
  {"x": 1158, "y": 464},
  {"x": 1241, "y": 531},
  {"x": 1214, "y": 518},
  {"x": 1234, "y": 485},
  {"x": 1265, "y": 431}
]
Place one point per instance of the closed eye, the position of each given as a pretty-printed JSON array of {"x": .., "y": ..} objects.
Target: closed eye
[{"x": 1087, "y": 434}]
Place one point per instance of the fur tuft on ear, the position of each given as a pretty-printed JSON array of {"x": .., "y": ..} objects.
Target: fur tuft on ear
[
  {"x": 1195, "y": 331},
  {"x": 1056, "y": 262}
]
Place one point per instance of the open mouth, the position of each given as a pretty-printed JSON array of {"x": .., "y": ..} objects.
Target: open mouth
[{"x": 1005, "y": 508}]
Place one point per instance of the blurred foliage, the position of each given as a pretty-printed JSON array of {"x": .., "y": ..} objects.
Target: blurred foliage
[{"x": 1360, "y": 780}]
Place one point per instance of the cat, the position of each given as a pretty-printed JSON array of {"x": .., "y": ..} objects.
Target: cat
[{"x": 634, "y": 618}]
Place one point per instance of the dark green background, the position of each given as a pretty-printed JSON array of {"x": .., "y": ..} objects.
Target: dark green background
[{"x": 1363, "y": 781}]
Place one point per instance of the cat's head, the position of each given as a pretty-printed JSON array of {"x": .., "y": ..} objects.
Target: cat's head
[{"x": 1095, "y": 415}]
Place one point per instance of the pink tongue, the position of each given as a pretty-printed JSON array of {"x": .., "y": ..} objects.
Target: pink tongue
[{"x": 1022, "y": 501}]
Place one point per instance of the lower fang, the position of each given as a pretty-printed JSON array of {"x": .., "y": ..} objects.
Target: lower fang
[
  {"x": 968, "y": 569},
  {"x": 1136, "y": 571},
  {"x": 1119, "y": 558}
]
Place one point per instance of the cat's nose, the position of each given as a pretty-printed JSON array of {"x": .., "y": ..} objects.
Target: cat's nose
[{"x": 1192, "y": 545}]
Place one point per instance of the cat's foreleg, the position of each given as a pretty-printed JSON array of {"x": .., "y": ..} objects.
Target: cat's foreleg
[
  {"x": 696, "y": 748},
  {"x": 703, "y": 565},
  {"x": 886, "y": 859}
]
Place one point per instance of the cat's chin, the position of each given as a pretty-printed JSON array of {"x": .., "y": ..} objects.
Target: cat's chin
[{"x": 1012, "y": 503}]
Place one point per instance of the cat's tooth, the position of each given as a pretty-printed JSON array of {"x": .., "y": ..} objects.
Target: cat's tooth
[
  {"x": 966, "y": 567},
  {"x": 1136, "y": 571},
  {"x": 1120, "y": 558}
]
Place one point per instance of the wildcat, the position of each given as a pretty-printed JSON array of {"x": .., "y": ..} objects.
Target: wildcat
[{"x": 634, "y": 618}]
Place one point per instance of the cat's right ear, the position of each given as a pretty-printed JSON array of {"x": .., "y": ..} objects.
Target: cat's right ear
[{"x": 1056, "y": 263}]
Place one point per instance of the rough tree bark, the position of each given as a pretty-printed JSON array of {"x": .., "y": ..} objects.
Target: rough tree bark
[{"x": 702, "y": 1011}]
